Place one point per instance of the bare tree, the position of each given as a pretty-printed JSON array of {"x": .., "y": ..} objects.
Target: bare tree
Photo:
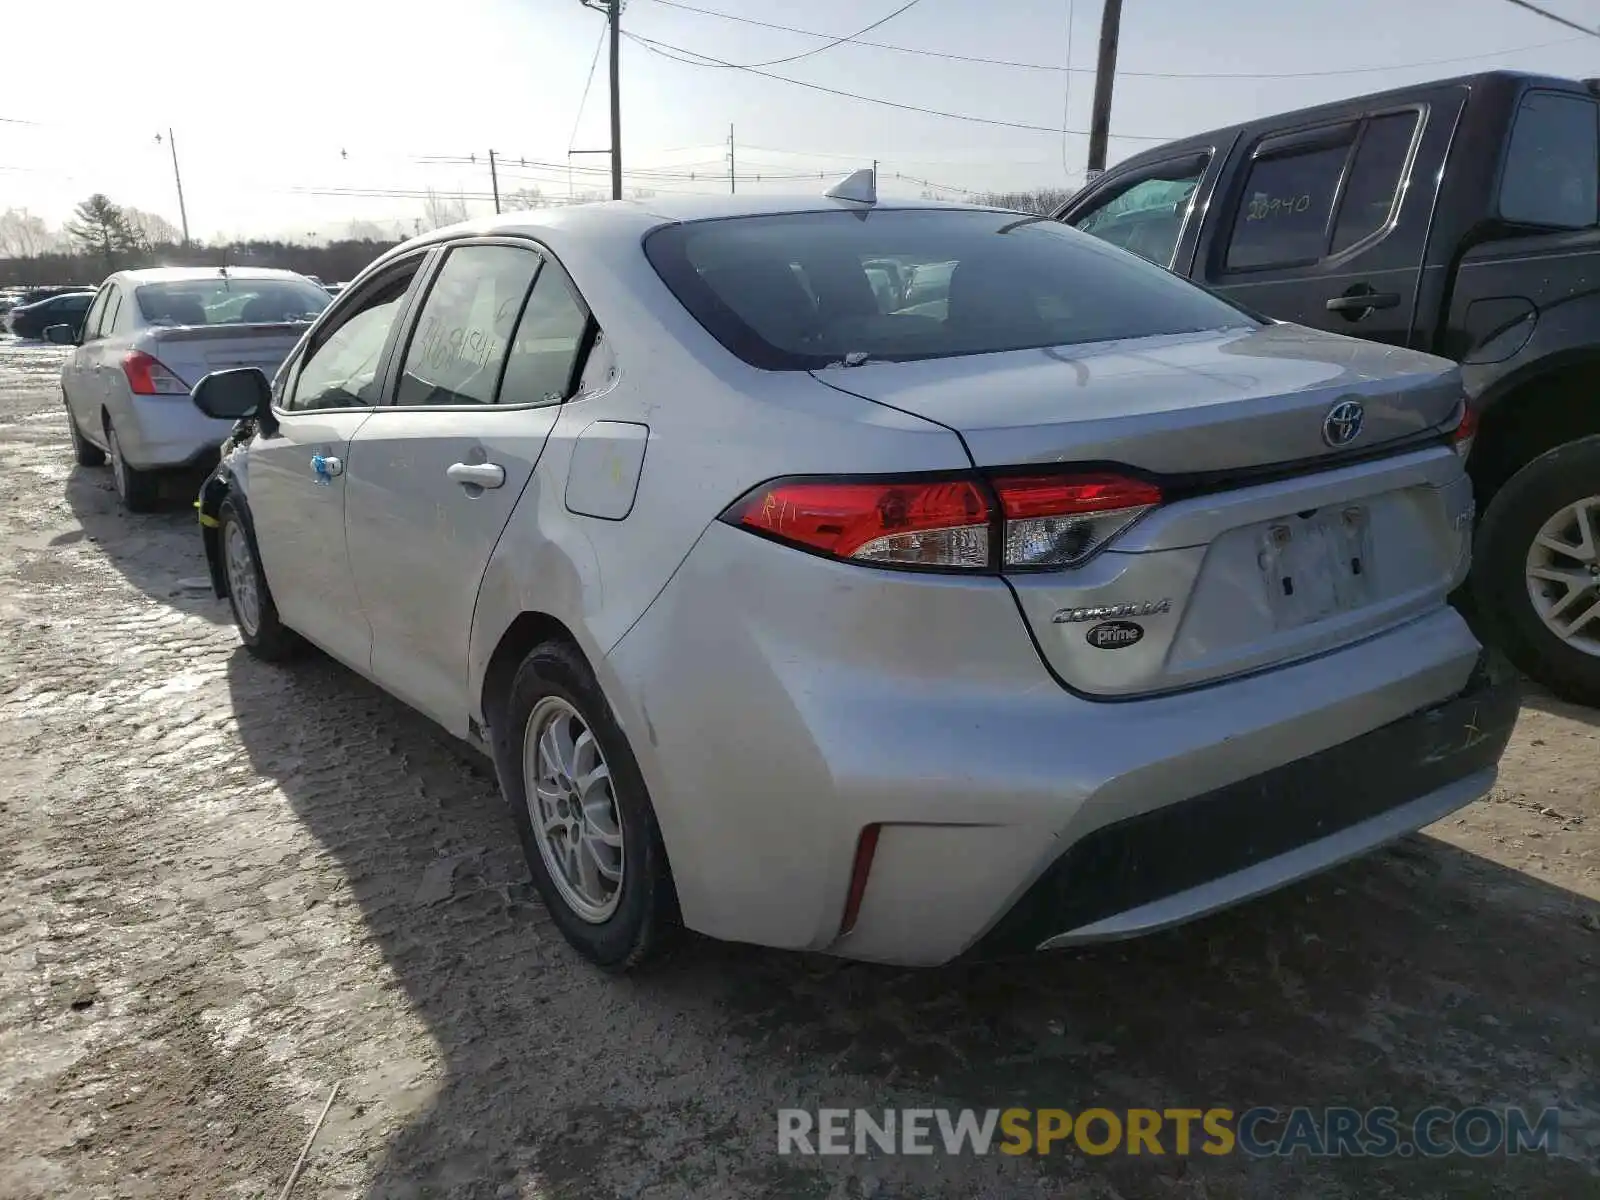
[
  {"x": 364, "y": 231},
  {"x": 1043, "y": 200},
  {"x": 151, "y": 229},
  {"x": 101, "y": 227},
  {"x": 523, "y": 199},
  {"x": 23, "y": 235},
  {"x": 439, "y": 211}
]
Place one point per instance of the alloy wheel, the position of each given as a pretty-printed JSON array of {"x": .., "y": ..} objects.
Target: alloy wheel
[
  {"x": 242, "y": 579},
  {"x": 573, "y": 810},
  {"x": 1563, "y": 574}
]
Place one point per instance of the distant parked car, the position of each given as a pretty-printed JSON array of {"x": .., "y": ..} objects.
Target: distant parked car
[
  {"x": 150, "y": 336},
  {"x": 31, "y": 320}
]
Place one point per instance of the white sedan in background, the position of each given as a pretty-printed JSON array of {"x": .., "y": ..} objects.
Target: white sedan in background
[{"x": 147, "y": 339}]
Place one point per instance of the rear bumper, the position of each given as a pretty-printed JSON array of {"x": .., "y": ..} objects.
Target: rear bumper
[
  {"x": 168, "y": 432},
  {"x": 1191, "y": 858},
  {"x": 779, "y": 703}
]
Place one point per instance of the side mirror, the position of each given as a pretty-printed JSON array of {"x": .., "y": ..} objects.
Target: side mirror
[
  {"x": 233, "y": 395},
  {"x": 61, "y": 335}
]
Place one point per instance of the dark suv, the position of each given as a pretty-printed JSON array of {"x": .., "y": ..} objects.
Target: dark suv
[{"x": 1460, "y": 217}]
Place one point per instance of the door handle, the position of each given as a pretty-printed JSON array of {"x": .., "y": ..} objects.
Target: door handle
[
  {"x": 1355, "y": 301},
  {"x": 484, "y": 475},
  {"x": 326, "y": 466}
]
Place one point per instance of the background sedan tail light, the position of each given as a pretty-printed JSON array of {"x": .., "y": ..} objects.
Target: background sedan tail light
[
  {"x": 149, "y": 376},
  {"x": 964, "y": 523}
]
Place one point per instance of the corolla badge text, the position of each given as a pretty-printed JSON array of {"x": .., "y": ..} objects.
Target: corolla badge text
[{"x": 1111, "y": 612}]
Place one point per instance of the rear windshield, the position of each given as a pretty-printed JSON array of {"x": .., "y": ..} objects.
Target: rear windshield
[
  {"x": 230, "y": 301},
  {"x": 799, "y": 291}
]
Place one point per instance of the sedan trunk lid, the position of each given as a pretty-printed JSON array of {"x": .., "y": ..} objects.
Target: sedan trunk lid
[
  {"x": 1280, "y": 530},
  {"x": 1180, "y": 404}
]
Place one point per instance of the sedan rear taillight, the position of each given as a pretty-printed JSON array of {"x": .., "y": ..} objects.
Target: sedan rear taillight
[
  {"x": 1056, "y": 521},
  {"x": 149, "y": 376},
  {"x": 959, "y": 523}
]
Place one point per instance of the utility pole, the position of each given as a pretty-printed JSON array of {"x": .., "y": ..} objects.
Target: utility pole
[
  {"x": 183, "y": 212},
  {"x": 732, "y": 186},
  {"x": 1105, "y": 74},
  {"x": 613, "y": 11},
  {"x": 616, "y": 98},
  {"x": 494, "y": 180}
]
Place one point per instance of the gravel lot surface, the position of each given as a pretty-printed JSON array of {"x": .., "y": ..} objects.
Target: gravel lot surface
[{"x": 225, "y": 887}]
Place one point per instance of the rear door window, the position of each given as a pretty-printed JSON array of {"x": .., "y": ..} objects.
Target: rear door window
[
  {"x": 547, "y": 348},
  {"x": 1374, "y": 184},
  {"x": 1283, "y": 214},
  {"x": 1146, "y": 212},
  {"x": 463, "y": 333},
  {"x": 1551, "y": 175}
]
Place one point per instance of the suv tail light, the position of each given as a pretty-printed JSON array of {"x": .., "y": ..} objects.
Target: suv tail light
[
  {"x": 1466, "y": 430},
  {"x": 1006, "y": 522},
  {"x": 148, "y": 376}
]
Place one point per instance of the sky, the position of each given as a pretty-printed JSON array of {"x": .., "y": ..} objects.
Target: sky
[{"x": 311, "y": 114}]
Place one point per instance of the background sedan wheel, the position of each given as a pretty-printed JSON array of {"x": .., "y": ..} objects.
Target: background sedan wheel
[
  {"x": 138, "y": 489},
  {"x": 1536, "y": 570},
  {"x": 582, "y": 811},
  {"x": 84, "y": 452}
]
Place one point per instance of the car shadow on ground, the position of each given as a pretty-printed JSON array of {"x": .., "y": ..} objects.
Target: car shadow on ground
[
  {"x": 1424, "y": 975},
  {"x": 1534, "y": 696},
  {"x": 142, "y": 546}
]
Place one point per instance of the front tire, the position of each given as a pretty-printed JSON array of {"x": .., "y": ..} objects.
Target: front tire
[
  {"x": 254, "y": 613},
  {"x": 584, "y": 817},
  {"x": 139, "y": 491},
  {"x": 1536, "y": 570}
]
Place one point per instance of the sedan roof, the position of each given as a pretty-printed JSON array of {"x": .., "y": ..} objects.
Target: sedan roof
[{"x": 190, "y": 274}]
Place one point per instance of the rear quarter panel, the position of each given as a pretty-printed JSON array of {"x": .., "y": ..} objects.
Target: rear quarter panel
[{"x": 717, "y": 427}]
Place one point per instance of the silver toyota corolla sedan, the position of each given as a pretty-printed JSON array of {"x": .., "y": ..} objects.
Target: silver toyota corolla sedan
[{"x": 894, "y": 580}]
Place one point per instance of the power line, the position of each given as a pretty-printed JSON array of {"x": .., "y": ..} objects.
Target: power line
[
  {"x": 593, "y": 62},
  {"x": 1550, "y": 16},
  {"x": 667, "y": 50},
  {"x": 1035, "y": 66},
  {"x": 838, "y": 41}
]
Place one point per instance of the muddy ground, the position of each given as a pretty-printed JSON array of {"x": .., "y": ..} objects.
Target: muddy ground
[{"x": 225, "y": 887}]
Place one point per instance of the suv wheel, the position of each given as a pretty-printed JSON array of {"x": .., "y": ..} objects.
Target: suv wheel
[
  {"x": 581, "y": 809},
  {"x": 1536, "y": 574},
  {"x": 254, "y": 613},
  {"x": 139, "y": 490}
]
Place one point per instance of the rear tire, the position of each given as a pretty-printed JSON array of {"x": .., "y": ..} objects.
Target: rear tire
[
  {"x": 254, "y": 613},
  {"x": 598, "y": 862},
  {"x": 84, "y": 452},
  {"x": 1536, "y": 570},
  {"x": 139, "y": 491}
]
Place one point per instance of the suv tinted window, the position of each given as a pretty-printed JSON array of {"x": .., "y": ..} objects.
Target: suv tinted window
[
  {"x": 1146, "y": 215},
  {"x": 1003, "y": 282},
  {"x": 1283, "y": 215},
  {"x": 461, "y": 338},
  {"x": 1552, "y": 167},
  {"x": 1375, "y": 178},
  {"x": 341, "y": 369}
]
